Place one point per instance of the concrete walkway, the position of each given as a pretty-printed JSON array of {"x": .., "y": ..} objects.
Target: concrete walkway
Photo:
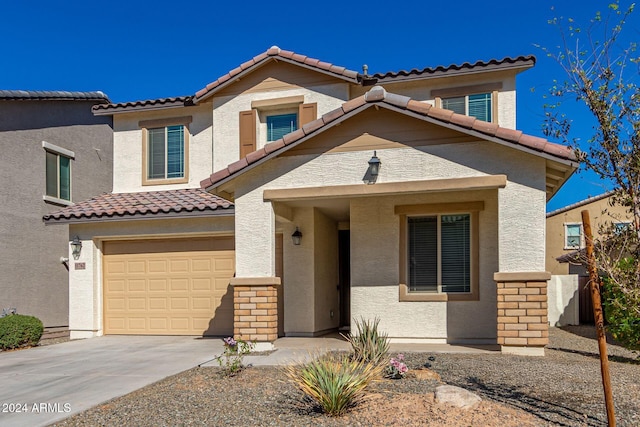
[
  {"x": 53, "y": 382},
  {"x": 50, "y": 383}
]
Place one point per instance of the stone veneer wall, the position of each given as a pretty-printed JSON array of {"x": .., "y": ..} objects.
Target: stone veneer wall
[
  {"x": 522, "y": 310},
  {"x": 255, "y": 312}
]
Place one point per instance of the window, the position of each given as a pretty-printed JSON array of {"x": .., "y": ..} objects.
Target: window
[
  {"x": 57, "y": 173},
  {"x": 439, "y": 251},
  {"x": 478, "y": 105},
  {"x": 573, "y": 236},
  {"x": 165, "y": 151},
  {"x": 280, "y": 125}
]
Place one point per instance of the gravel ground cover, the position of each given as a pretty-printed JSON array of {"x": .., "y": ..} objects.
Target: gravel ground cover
[{"x": 563, "y": 388}]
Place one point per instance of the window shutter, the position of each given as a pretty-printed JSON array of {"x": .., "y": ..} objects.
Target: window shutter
[
  {"x": 307, "y": 113},
  {"x": 247, "y": 132}
]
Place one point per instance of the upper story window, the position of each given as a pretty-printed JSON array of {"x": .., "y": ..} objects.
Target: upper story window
[
  {"x": 573, "y": 236},
  {"x": 165, "y": 151},
  {"x": 271, "y": 119},
  {"x": 479, "y": 101},
  {"x": 280, "y": 125},
  {"x": 478, "y": 105},
  {"x": 58, "y": 173}
]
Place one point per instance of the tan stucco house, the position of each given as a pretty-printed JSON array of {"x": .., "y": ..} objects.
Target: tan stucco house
[{"x": 291, "y": 195}]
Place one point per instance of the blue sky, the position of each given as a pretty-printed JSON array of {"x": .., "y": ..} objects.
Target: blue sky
[{"x": 135, "y": 50}]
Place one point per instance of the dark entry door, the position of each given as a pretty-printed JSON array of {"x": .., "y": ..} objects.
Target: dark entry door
[{"x": 344, "y": 271}]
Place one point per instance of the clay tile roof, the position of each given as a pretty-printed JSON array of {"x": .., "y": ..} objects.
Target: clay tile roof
[
  {"x": 379, "y": 96},
  {"x": 272, "y": 53},
  {"x": 147, "y": 104},
  {"x": 152, "y": 204},
  {"x": 53, "y": 95},
  {"x": 507, "y": 62}
]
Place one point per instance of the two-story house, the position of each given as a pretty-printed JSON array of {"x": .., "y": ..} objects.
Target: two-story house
[
  {"x": 54, "y": 152},
  {"x": 291, "y": 195}
]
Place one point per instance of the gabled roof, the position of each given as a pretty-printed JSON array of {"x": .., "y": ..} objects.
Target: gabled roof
[
  {"x": 275, "y": 54},
  {"x": 378, "y": 96},
  {"x": 53, "y": 95},
  {"x": 147, "y": 205}
]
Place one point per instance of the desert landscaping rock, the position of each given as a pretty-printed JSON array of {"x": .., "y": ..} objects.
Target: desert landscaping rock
[{"x": 456, "y": 396}]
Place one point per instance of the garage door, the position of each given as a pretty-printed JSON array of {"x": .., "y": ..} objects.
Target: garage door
[{"x": 169, "y": 287}]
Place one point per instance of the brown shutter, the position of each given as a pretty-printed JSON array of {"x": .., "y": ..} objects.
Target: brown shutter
[
  {"x": 307, "y": 113},
  {"x": 247, "y": 132}
]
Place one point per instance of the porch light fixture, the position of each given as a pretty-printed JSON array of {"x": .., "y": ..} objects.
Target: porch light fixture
[
  {"x": 296, "y": 237},
  {"x": 76, "y": 247},
  {"x": 374, "y": 168}
]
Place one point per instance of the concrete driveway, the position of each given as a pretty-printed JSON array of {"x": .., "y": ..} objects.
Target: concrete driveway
[{"x": 42, "y": 385}]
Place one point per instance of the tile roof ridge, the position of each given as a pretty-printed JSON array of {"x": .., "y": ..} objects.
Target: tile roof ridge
[
  {"x": 40, "y": 95},
  {"x": 286, "y": 55},
  {"x": 581, "y": 203}
]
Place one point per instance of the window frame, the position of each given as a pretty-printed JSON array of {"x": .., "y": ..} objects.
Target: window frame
[
  {"x": 59, "y": 152},
  {"x": 145, "y": 126},
  {"x": 487, "y": 88},
  {"x": 566, "y": 236},
  {"x": 405, "y": 212}
]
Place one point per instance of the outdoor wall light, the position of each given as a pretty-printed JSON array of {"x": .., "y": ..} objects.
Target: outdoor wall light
[
  {"x": 374, "y": 168},
  {"x": 76, "y": 247},
  {"x": 296, "y": 237}
]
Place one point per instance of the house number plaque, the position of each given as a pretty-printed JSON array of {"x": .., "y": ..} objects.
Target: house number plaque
[{"x": 80, "y": 266}]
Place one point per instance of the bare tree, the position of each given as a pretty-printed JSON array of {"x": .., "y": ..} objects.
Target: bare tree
[{"x": 602, "y": 72}]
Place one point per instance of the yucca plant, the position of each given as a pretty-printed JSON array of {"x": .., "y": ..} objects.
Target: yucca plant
[
  {"x": 369, "y": 344},
  {"x": 335, "y": 382}
]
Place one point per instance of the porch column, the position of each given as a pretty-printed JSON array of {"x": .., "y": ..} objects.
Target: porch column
[
  {"x": 255, "y": 305},
  {"x": 523, "y": 326}
]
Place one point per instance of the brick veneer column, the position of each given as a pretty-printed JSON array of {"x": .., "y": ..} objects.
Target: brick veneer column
[
  {"x": 255, "y": 308},
  {"x": 523, "y": 326}
]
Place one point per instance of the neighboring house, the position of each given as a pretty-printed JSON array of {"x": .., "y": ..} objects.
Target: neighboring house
[
  {"x": 569, "y": 297},
  {"x": 54, "y": 152},
  {"x": 290, "y": 196}
]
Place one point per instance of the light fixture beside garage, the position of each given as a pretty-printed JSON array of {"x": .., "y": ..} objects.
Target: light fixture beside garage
[
  {"x": 374, "y": 168},
  {"x": 296, "y": 237},
  {"x": 76, "y": 247}
]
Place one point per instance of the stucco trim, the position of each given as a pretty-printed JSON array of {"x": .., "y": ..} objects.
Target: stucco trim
[
  {"x": 466, "y": 90},
  {"x": 440, "y": 208},
  {"x": 255, "y": 281},
  {"x": 58, "y": 150},
  {"x": 522, "y": 276},
  {"x": 183, "y": 120},
  {"x": 486, "y": 182},
  {"x": 57, "y": 201},
  {"x": 274, "y": 102}
]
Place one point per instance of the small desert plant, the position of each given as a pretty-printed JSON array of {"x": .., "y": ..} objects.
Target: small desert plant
[
  {"x": 234, "y": 351},
  {"x": 369, "y": 344},
  {"x": 18, "y": 331},
  {"x": 335, "y": 382},
  {"x": 396, "y": 369}
]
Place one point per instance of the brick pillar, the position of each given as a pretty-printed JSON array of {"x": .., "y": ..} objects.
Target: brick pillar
[
  {"x": 255, "y": 308},
  {"x": 523, "y": 326}
]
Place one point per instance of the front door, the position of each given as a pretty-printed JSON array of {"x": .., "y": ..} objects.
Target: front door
[{"x": 344, "y": 272}]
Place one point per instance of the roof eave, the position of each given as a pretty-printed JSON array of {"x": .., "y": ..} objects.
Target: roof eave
[
  {"x": 140, "y": 216},
  {"x": 119, "y": 110}
]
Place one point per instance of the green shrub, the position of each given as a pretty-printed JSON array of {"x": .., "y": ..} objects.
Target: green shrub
[
  {"x": 335, "y": 382},
  {"x": 368, "y": 344},
  {"x": 622, "y": 322},
  {"x": 18, "y": 331}
]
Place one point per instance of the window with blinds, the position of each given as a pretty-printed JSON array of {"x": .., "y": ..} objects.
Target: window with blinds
[
  {"x": 439, "y": 253},
  {"x": 478, "y": 105},
  {"x": 280, "y": 125},
  {"x": 573, "y": 236},
  {"x": 58, "y": 176},
  {"x": 165, "y": 159}
]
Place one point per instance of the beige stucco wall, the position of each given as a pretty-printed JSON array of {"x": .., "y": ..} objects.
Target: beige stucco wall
[
  {"x": 600, "y": 214},
  {"x": 85, "y": 285},
  {"x": 421, "y": 91},
  {"x": 512, "y": 224},
  {"x": 127, "y": 148},
  {"x": 227, "y": 108}
]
